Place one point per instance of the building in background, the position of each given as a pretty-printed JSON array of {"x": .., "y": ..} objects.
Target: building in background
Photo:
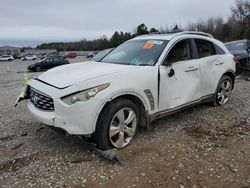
[
  {"x": 9, "y": 50},
  {"x": 39, "y": 51}
]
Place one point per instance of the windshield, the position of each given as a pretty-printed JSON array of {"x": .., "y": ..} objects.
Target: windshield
[
  {"x": 237, "y": 46},
  {"x": 136, "y": 52},
  {"x": 98, "y": 57}
]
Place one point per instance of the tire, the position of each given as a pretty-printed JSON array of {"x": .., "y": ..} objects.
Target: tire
[
  {"x": 38, "y": 69},
  {"x": 223, "y": 91},
  {"x": 112, "y": 129}
]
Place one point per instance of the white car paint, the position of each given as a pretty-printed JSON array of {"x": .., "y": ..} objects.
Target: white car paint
[
  {"x": 6, "y": 58},
  {"x": 29, "y": 57},
  {"x": 187, "y": 86}
]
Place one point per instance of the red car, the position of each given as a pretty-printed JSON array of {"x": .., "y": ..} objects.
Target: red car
[{"x": 70, "y": 55}]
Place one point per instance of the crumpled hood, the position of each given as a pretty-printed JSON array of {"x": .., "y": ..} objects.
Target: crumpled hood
[{"x": 66, "y": 75}]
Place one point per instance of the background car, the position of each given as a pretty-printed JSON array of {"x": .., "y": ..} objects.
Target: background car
[
  {"x": 91, "y": 54},
  {"x": 42, "y": 56},
  {"x": 70, "y": 55},
  {"x": 6, "y": 58},
  {"x": 241, "y": 50},
  {"x": 48, "y": 63},
  {"x": 100, "y": 55},
  {"x": 29, "y": 57}
]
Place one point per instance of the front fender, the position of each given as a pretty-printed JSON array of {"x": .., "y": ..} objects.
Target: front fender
[{"x": 121, "y": 93}]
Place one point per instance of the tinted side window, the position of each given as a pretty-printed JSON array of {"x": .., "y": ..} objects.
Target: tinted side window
[
  {"x": 58, "y": 60},
  {"x": 48, "y": 61},
  {"x": 248, "y": 44},
  {"x": 180, "y": 52},
  {"x": 204, "y": 48},
  {"x": 218, "y": 50}
]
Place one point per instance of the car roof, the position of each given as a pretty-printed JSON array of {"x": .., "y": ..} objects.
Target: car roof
[{"x": 170, "y": 36}]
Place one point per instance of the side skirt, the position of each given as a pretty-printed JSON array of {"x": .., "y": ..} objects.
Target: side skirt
[{"x": 205, "y": 99}]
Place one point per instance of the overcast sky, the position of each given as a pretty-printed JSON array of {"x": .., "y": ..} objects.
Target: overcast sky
[{"x": 30, "y": 22}]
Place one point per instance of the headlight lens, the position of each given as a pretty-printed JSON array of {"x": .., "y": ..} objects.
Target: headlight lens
[{"x": 84, "y": 95}]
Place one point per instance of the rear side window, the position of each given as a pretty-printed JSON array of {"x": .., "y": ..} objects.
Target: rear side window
[
  {"x": 49, "y": 61},
  {"x": 205, "y": 48}
]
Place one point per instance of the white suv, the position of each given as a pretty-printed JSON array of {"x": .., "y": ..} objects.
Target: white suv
[
  {"x": 143, "y": 79},
  {"x": 29, "y": 57},
  {"x": 6, "y": 58}
]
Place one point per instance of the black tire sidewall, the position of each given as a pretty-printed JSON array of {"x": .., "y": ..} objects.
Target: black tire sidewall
[
  {"x": 225, "y": 77},
  {"x": 101, "y": 135}
]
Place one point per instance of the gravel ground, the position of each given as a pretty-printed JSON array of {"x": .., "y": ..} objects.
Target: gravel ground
[{"x": 200, "y": 147}]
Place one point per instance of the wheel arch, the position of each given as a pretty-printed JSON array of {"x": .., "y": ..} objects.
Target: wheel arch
[
  {"x": 138, "y": 101},
  {"x": 231, "y": 74}
]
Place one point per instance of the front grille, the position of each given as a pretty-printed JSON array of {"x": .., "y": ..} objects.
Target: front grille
[{"x": 41, "y": 100}]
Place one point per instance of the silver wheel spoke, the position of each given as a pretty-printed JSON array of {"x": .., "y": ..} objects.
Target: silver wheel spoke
[
  {"x": 129, "y": 131},
  {"x": 220, "y": 95},
  {"x": 120, "y": 140},
  {"x": 120, "y": 115},
  {"x": 223, "y": 86},
  {"x": 227, "y": 94},
  {"x": 113, "y": 131},
  {"x": 222, "y": 99},
  {"x": 227, "y": 85},
  {"x": 130, "y": 118}
]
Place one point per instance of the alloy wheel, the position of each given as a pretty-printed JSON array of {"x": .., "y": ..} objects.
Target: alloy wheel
[
  {"x": 123, "y": 127},
  {"x": 224, "y": 92}
]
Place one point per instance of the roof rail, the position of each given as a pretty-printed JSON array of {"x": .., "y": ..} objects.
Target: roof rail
[
  {"x": 166, "y": 32},
  {"x": 182, "y": 32},
  {"x": 195, "y": 33}
]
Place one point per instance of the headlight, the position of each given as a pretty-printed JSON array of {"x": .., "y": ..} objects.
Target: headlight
[{"x": 84, "y": 95}]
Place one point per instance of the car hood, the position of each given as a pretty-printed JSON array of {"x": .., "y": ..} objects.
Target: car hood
[
  {"x": 66, "y": 75},
  {"x": 239, "y": 52}
]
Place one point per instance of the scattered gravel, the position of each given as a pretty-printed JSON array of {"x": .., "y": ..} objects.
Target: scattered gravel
[{"x": 202, "y": 146}]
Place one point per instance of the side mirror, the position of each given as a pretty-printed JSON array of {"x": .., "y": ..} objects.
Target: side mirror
[{"x": 171, "y": 72}]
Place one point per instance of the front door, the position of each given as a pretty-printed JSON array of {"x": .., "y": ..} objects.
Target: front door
[{"x": 184, "y": 86}]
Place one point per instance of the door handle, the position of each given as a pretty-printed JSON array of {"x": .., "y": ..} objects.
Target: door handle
[
  {"x": 190, "y": 69},
  {"x": 219, "y": 63}
]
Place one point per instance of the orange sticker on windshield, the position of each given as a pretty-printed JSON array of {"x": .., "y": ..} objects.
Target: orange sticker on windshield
[{"x": 148, "y": 46}]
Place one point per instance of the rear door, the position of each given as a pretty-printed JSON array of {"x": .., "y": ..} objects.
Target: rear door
[
  {"x": 56, "y": 62},
  {"x": 48, "y": 63},
  {"x": 184, "y": 87},
  {"x": 211, "y": 65}
]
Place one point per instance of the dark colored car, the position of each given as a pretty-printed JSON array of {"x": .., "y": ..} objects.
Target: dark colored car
[
  {"x": 100, "y": 55},
  {"x": 241, "y": 50},
  {"x": 48, "y": 63}
]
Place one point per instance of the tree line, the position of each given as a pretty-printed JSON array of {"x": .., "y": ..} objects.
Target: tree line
[{"x": 236, "y": 27}]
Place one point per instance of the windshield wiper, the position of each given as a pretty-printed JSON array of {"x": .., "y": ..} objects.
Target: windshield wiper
[{"x": 144, "y": 64}]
